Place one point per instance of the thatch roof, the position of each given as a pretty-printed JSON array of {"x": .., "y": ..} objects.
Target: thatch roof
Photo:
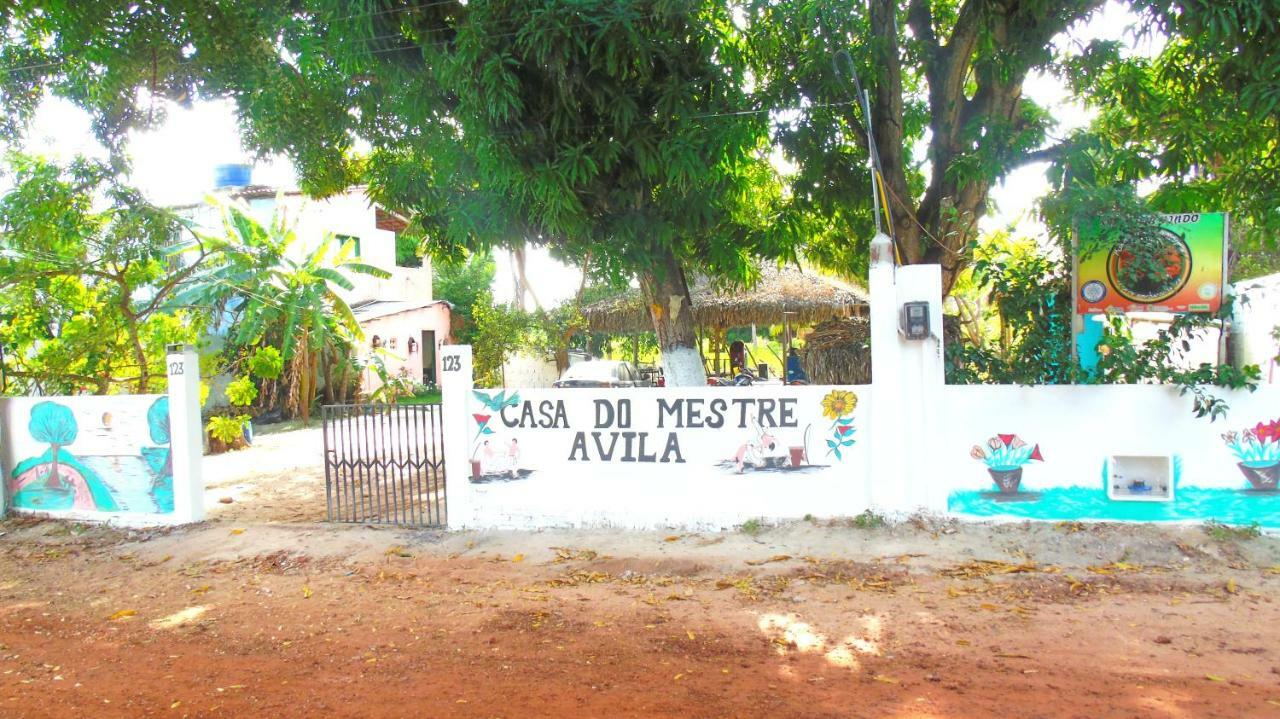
[
  {"x": 838, "y": 351},
  {"x": 808, "y": 296}
]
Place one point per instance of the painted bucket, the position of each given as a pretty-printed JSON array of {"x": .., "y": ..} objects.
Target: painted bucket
[
  {"x": 1262, "y": 478},
  {"x": 797, "y": 456},
  {"x": 475, "y": 469},
  {"x": 1007, "y": 479}
]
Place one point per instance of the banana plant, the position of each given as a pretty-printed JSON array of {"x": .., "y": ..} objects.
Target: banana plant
[{"x": 266, "y": 292}]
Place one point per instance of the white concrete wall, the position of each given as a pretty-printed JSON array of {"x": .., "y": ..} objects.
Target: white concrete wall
[
  {"x": 1256, "y": 316},
  {"x": 128, "y": 459},
  {"x": 539, "y": 458},
  {"x": 529, "y": 371},
  {"x": 1078, "y": 428}
]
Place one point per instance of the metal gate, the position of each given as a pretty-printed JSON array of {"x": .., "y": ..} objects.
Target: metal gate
[{"x": 384, "y": 464}]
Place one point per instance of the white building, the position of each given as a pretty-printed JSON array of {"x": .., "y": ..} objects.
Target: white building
[{"x": 397, "y": 314}]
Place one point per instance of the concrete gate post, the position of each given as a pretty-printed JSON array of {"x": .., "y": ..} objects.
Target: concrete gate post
[
  {"x": 455, "y": 391},
  {"x": 186, "y": 436}
]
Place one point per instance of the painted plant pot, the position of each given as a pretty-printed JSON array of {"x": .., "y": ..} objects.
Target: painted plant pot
[
  {"x": 1007, "y": 479},
  {"x": 1261, "y": 478}
]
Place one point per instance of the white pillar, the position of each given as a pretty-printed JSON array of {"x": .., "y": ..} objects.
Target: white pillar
[
  {"x": 885, "y": 430},
  {"x": 186, "y": 439},
  {"x": 922, "y": 379},
  {"x": 455, "y": 397}
]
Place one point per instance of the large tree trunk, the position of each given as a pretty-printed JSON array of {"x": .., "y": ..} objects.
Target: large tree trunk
[{"x": 667, "y": 293}]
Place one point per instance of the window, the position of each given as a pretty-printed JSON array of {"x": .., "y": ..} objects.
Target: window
[{"x": 355, "y": 243}]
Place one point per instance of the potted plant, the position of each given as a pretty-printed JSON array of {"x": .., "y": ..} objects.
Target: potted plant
[
  {"x": 1005, "y": 455},
  {"x": 1258, "y": 450}
]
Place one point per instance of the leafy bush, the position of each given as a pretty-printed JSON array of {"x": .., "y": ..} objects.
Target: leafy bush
[
  {"x": 227, "y": 429},
  {"x": 242, "y": 392},
  {"x": 266, "y": 363}
]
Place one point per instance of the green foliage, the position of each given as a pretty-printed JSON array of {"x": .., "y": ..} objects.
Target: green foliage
[
  {"x": 407, "y": 250},
  {"x": 1015, "y": 307},
  {"x": 242, "y": 392},
  {"x": 266, "y": 363},
  {"x": 227, "y": 429},
  {"x": 869, "y": 520},
  {"x": 464, "y": 284},
  {"x": 627, "y": 133},
  {"x": 1023, "y": 336},
  {"x": 500, "y": 330},
  {"x": 279, "y": 298},
  {"x": 85, "y": 276},
  {"x": 752, "y": 527},
  {"x": 1229, "y": 533},
  {"x": 391, "y": 387},
  {"x": 1197, "y": 122}
]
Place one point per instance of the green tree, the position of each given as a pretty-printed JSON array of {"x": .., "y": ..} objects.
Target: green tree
[
  {"x": 624, "y": 131},
  {"x": 465, "y": 284},
  {"x": 946, "y": 80},
  {"x": 86, "y": 276},
  {"x": 280, "y": 295},
  {"x": 1199, "y": 121}
]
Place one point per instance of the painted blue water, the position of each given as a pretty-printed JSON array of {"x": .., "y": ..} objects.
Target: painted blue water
[
  {"x": 1232, "y": 506},
  {"x": 129, "y": 480}
]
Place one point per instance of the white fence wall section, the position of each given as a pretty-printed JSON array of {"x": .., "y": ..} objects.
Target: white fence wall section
[
  {"x": 130, "y": 459},
  {"x": 1117, "y": 452},
  {"x": 702, "y": 457},
  {"x": 538, "y": 458}
]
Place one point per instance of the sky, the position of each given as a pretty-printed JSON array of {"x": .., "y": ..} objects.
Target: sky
[{"x": 174, "y": 163}]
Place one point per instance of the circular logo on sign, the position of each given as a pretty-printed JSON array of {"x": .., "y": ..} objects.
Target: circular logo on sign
[
  {"x": 1208, "y": 291},
  {"x": 1093, "y": 291},
  {"x": 1151, "y": 273}
]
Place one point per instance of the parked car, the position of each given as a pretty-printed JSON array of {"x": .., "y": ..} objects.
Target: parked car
[{"x": 601, "y": 373}]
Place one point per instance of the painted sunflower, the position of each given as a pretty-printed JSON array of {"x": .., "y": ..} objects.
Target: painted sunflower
[{"x": 838, "y": 403}]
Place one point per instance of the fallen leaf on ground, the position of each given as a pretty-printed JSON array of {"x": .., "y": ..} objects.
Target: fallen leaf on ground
[
  {"x": 124, "y": 613},
  {"x": 306, "y": 592},
  {"x": 518, "y": 558},
  {"x": 1231, "y": 586},
  {"x": 672, "y": 538},
  {"x": 886, "y": 680},
  {"x": 1214, "y": 678},
  {"x": 774, "y": 558},
  {"x": 237, "y": 531}
]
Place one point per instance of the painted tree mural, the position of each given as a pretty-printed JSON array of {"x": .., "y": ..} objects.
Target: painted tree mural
[{"x": 53, "y": 423}]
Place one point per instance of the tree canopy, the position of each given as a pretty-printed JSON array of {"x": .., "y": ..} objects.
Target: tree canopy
[
  {"x": 86, "y": 281},
  {"x": 639, "y": 136}
]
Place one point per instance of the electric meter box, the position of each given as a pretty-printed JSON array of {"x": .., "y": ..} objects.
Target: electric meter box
[{"x": 915, "y": 320}]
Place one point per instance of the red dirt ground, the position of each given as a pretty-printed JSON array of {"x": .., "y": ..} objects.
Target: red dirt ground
[{"x": 93, "y": 625}]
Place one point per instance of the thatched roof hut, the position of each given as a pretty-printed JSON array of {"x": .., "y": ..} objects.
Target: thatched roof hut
[{"x": 806, "y": 297}]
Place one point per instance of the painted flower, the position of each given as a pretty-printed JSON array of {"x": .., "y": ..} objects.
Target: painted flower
[
  {"x": 1009, "y": 439},
  {"x": 481, "y": 419},
  {"x": 1230, "y": 437},
  {"x": 1269, "y": 432},
  {"x": 995, "y": 443},
  {"x": 838, "y": 403},
  {"x": 977, "y": 452}
]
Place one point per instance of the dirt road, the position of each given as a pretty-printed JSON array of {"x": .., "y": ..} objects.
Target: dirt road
[{"x": 929, "y": 619}]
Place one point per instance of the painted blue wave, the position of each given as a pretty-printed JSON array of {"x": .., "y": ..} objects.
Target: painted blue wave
[{"x": 1232, "y": 506}]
